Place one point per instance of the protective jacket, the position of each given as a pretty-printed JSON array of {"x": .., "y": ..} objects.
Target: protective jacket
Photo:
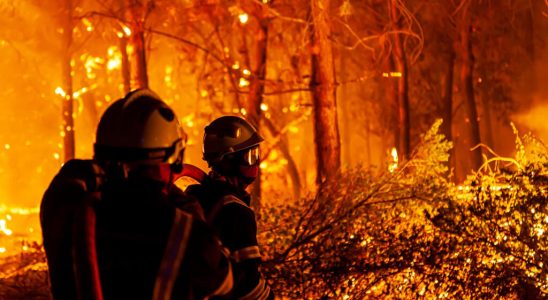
[
  {"x": 227, "y": 209},
  {"x": 146, "y": 248}
]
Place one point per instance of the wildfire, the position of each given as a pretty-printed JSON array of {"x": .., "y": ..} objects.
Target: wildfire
[{"x": 394, "y": 164}]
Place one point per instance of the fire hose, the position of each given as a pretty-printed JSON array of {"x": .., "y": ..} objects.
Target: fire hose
[{"x": 190, "y": 171}]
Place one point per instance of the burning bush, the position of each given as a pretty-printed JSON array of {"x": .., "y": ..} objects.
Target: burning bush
[{"x": 24, "y": 275}]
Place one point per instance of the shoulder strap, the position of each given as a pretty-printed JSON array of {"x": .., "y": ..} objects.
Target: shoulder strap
[
  {"x": 173, "y": 255},
  {"x": 84, "y": 250}
]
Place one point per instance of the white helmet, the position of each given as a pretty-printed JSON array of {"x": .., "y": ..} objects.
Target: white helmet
[{"x": 140, "y": 128}]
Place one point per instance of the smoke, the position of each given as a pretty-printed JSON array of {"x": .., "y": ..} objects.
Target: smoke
[{"x": 535, "y": 120}]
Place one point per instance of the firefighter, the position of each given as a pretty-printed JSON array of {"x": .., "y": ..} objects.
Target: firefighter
[
  {"x": 142, "y": 245},
  {"x": 231, "y": 149}
]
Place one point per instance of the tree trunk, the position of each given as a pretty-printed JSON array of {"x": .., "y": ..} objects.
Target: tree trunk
[
  {"x": 487, "y": 119},
  {"x": 447, "y": 113},
  {"x": 326, "y": 129},
  {"x": 126, "y": 74},
  {"x": 292, "y": 169},
  {"x": 467, "y": 81},
  {"x": 257, "y": 82},
  {"x": 136, "y": 44},
  {"x": 346, "y": 119},
  {"x": 401, "y": 77},
  {"x": 68, "y": 107}
]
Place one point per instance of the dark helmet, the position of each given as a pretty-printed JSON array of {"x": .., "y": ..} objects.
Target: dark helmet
[
  {"x": 227, "y": 135},
  {"x": 140, "y": 128}
]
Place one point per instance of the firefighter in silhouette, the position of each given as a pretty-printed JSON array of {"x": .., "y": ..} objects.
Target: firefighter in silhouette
[
  {"x": 110, "y": 226},
  {"x": 231, "y": 149}
]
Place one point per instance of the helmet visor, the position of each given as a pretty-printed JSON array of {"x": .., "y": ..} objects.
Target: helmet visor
[{"x": 251, "y": 156}]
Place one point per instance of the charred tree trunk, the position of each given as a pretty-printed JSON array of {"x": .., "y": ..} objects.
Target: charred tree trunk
[
  {"x": 135, "y": 14},
  {"x": 256, "y": 85},
  {"x": 392, "y": 95},
  {"x": 467, "y": 81},
  {"x": 487, "y": 118},
  {"x": 326, "y": 129},
  {"x": 68, "y": 101},
  {"x": 401, "y": 77}
]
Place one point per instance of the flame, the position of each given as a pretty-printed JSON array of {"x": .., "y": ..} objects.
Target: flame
[
  {"x": 88, "y": 24},
  {"x": 59, "y": 91},
  {"x": 126, "y": 30},
  {"x": 391, "y": 74},
  {"x": 243, "y": 17},
  {"x": 114, "y": 58},
  {"x": 394, "y": 164},
  {"x": 19, "y": 210},
  {"x": 264, "y": 107},
  {"x": 4, "y": 228},
  {"x": 243, "y": 82}
]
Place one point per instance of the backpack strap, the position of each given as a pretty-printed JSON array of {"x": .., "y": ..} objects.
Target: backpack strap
[
  {"x": 84, "y": 250},
  {"x": 173, "y": 255}
]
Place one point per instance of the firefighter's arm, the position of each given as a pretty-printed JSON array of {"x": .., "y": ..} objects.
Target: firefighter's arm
[
  {"x": 238, "y": 230},
  {"x": 210, "y": 269}
]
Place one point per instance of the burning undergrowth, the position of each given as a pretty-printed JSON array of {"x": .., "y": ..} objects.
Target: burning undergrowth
[{"x": 413, "y": 233}]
